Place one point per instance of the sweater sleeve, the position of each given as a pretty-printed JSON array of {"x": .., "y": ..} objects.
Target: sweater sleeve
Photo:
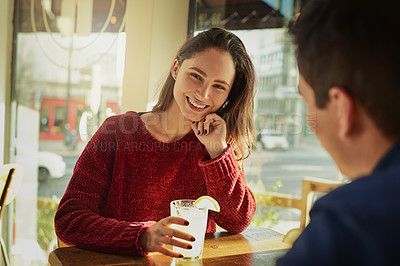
[
  {"x": 79, "y": 221},
  {"x": 227, "y": 184}
]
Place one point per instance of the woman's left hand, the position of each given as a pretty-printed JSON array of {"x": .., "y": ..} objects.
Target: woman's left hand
[{"x": 211, "y": 131}]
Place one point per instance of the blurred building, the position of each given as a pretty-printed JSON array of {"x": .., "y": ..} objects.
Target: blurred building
[{"x": 278, "y": 106}]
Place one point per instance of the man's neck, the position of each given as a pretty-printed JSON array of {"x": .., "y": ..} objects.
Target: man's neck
[{"x": 366, "y": 153}]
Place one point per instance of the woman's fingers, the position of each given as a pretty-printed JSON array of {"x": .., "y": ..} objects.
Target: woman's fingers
[
  {"x": 183, "y": 235},
  {"x": 160, "y": 234},
  {"x": 177, "y": 233},
  {"x": 170, "y": 236},
  {"x": 200, "y": 128},
  {"x": 175, "y": 242},
  {"x": 211, "y": 132},
  {"x": 174, "y": 232},
  {"x": 173, "y": 220},
  {"x": 167, "y": 221},
  {"x": 169, "y": 252},
  {"x": 205, "y": 126}
]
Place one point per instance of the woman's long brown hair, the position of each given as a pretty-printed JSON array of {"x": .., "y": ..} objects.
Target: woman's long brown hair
[{"x": 237, "y": 111}]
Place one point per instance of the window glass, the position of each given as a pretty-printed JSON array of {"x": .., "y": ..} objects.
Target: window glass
[
  {"x": 59, "y": 119},
  {"x": 44, "y": 119},
  {"x": 69, "y": 65},
  {"x": 286, "y": 150}
]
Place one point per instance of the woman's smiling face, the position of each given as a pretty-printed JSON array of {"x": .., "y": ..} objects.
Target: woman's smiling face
[{"x": 203, "y": 83}]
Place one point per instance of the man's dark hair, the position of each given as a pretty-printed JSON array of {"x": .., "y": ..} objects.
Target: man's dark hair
[{"x": 353, "y": 44}]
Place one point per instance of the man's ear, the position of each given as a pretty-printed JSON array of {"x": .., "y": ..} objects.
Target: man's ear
[
  {"x": 175, "y": 68},
  {"x": 345, "y": 110}
]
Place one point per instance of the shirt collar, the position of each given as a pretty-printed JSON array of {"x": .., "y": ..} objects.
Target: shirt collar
[{"x": 391, "y": 158}]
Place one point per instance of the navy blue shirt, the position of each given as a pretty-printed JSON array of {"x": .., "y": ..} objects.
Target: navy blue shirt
[{"x": 356, "y": 224}]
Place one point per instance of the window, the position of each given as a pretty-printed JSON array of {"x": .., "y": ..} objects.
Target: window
[
  {"x": 59, "y": 119},
  {"x": 44, "y": 119},
  {"x": 286, "y": 151},
  {"x": 68, "y": 79}
]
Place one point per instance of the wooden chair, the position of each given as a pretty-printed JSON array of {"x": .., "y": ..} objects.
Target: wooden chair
[
  {"x": 3, "y": 198},
  {"x": 310, "y": 185},
  {"x": 61, "y": 244}
]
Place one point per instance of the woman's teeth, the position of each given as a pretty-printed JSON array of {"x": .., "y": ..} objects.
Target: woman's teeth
[{"x": 196, "y": 105}]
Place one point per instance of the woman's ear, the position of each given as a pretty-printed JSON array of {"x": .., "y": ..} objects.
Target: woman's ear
[{"x": 175, "y": 68}]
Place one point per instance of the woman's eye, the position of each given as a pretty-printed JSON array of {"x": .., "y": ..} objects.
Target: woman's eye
[
  {"x": 195, "y": 76},
  {"x": 219, "y": 87}
]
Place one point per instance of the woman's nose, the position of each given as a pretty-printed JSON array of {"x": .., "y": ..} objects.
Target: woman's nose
[{"x": 203, "y": 92}]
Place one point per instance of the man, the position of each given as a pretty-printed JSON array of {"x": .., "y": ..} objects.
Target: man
[{"x": 348, "y": 55}]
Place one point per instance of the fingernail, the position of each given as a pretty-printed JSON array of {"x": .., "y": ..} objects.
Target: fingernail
[
  {"x": 205, "y": 131},
  {"x": 193, "y": 239},
  {"x": 189, "y": 247},
  {"x": 180, "y": 256},
  {"x": 198, "y": 132},
  {"x": 186, "y": 223}
]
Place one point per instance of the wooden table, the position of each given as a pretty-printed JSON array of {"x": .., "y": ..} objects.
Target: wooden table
[{"x": 256, "y": 246}]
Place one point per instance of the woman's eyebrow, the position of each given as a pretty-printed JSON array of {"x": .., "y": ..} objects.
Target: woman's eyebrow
[
  {"x": 205, "y": 75},
  {"x": 199, "y": 70}
]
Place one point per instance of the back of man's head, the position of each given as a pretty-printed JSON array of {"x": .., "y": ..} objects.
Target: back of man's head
[{"x": 355, "y": 45}]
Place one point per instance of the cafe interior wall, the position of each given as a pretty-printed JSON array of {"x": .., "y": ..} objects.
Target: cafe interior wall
[{"x": 161, "y": 27}]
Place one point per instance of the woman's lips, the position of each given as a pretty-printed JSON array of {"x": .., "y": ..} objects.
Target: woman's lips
[{"x": 194, "y": 105}]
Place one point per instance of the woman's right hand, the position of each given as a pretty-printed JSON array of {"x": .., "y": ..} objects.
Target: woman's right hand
[{"x": 160, "y": 234}]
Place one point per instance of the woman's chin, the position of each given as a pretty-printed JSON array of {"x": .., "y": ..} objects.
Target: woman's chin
[{"x": 193, "y": 117}]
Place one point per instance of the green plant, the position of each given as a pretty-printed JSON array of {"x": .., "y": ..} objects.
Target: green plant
[
  {"x": 45, "y": 222},
  {"x": 267, "y": 214}
]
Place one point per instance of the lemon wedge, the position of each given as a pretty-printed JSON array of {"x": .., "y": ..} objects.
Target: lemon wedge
[
  {"x": 206, "y": 202},
  {"x": 292, "y": 235}
]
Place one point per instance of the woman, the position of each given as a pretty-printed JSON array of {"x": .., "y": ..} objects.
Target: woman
[{"x": 191, "y": 144}]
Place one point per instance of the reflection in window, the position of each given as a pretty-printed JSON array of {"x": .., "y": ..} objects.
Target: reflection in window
[
  {"x": 59, "y": 119},
  {"x": 80, "y": 110},
  {"x": 44, "y": 119}
]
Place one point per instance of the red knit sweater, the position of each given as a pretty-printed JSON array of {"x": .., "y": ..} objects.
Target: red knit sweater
[{"x": 125, "y": 180}]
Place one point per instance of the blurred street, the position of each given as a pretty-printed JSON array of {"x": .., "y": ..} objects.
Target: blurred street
[
  {"x": 289, "y": 167},
  {"x": 56, "y": 186}
]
